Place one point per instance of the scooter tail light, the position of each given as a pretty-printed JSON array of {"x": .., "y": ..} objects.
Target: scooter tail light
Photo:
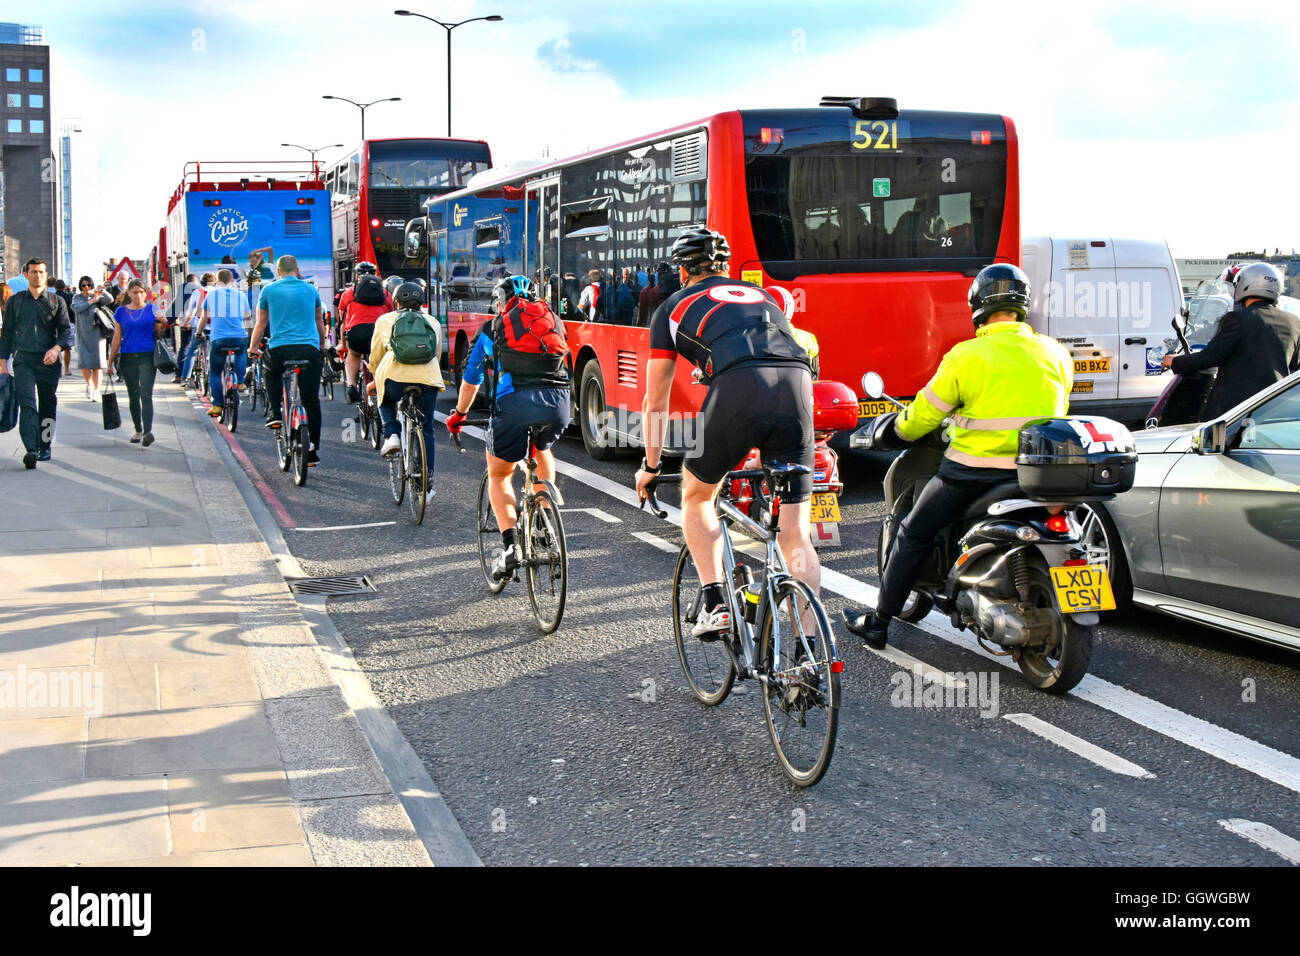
[{"x": 1058, "y": 523}]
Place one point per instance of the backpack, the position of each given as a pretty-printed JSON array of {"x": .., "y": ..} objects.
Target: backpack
[
  {"x": 413, "y": 341},
  {"x": 368, "y": 290},
  {"x": 529, "y": 343}
]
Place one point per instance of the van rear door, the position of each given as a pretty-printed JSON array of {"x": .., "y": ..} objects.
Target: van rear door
[
  {"x": 1082, "y": 315},
  {"x": 1148, "y": 295}
]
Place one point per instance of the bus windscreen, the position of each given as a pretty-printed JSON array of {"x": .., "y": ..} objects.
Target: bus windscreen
[
  {"x": 923, "y": 192},
  {"x": 425, "y": 164}
]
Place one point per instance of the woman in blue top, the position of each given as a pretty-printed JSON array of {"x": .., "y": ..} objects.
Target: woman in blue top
[{"x": 137, "y": 324}]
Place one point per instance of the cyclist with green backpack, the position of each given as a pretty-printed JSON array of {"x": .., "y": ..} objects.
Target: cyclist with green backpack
[{"x": 404, "y": 350}]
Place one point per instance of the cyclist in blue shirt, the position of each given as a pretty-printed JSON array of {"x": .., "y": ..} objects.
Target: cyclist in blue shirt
[
  {"x": 532, "y": 388},
  {"x": 225, "y": 308},
  {"x": 293, "y": 309}
]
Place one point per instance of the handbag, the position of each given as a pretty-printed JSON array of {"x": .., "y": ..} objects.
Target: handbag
[
  {"x": 104, "y": 322},
  {"x": 164, "y": 358},
  {"x": 108, "y": 404},
  {"x": 8, "y": 403}
]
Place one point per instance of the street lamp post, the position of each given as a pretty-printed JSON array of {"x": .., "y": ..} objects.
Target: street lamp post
[
  {"x": 315, "y": 151},
  {"x": 362, "y": 107},
  {"x": 448, "y": 27}
]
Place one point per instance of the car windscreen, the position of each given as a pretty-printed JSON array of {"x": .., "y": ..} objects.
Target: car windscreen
[
  {"x": 425, "y": 164},
  {"x": 832, "y": 192}
]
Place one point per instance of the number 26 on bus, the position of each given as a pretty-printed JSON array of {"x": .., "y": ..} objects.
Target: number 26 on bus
[{"x": 886, "y": 134}]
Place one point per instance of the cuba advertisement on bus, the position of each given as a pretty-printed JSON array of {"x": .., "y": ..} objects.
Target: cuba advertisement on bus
[{"x": 237, "y": 227}]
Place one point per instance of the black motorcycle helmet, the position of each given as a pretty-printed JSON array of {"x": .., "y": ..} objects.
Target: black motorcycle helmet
[
  {"x": 699, "y": 249},
  {"x": 409, "y": 295},
  {"x": 366, "y": 269},
  {"x": 1000, "y": 287}
]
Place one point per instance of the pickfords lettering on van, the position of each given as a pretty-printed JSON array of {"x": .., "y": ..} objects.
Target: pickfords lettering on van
[{"x": 1109, "y": 301}]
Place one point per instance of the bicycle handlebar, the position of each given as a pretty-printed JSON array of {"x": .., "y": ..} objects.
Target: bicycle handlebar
[
  {"x": 655, "y": 508},
  {"x": 455, "y": 436}
]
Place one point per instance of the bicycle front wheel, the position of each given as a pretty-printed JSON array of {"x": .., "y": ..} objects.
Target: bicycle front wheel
[
  {"x": 300, "y": 446},
  {"x": 708, "y": 665},
  {"x": 489, "y": 536},
  {"x": 547, "y": 561},
  {"x": 376, "y": 429},
  {"x": 417, "y": 470},
  {"x": 801, "y": 699},
  {"x": 284, "y": 446}
]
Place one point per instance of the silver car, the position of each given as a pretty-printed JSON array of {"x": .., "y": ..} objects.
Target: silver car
[{"x": 1210, "y": 532}]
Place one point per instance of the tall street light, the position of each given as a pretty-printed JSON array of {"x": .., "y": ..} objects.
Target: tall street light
[
  {"x": 362, "y": 107},
  {"x": 448, "y": 27},
  {"x": 315, "y": 151}
]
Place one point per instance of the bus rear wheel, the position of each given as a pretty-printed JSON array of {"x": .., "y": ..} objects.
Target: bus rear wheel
[{"x": 592, "y": 414}]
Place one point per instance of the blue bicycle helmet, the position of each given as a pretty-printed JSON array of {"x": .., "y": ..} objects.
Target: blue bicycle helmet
[{"x": 512, "y": 287}]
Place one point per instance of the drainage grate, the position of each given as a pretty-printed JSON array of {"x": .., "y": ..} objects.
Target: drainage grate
[{"x": 334, "y": 584}]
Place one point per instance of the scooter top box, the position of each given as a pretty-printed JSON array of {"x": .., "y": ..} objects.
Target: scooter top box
[{"x": 1076, "y": 457}]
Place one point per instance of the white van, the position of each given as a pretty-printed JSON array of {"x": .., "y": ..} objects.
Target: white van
[{"x": 1110, "y": 302}]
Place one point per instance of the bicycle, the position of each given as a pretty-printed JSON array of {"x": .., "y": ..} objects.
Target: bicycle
[
  {"x": 779, "y": 635},
  {"x": 367, "y": 410},
  {"x": 258, "y": 390},
  {"x": 410, "y": 466},
  {"x": 543, "y": 549},
  {"x": 229, "y": 392},
  {"x": 199, "y": 368},
  {"x": 329, "y": 374},
  {"x": 293, "y": 442}
]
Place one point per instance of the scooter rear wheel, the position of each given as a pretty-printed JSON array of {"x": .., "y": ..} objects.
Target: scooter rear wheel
[{"x": 1055, "y": 669}]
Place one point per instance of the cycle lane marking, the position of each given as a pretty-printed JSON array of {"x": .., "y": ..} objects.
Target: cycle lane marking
[
  {"x": 1077, "y": 745},
  {"x": 1199, "y": 734},
  {"x": 1261, "y": 834},
  {"x": 255, "y": 476},
  {"x": 349, "y": 527}
]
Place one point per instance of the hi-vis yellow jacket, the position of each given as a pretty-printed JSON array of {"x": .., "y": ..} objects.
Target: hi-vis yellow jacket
[{"x": 991, "y": 385}]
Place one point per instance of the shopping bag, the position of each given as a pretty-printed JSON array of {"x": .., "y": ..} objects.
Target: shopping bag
[
  {"x": 164, "y": 359},
  {"x": 8, "y": 403},
  {"x": 108, "y": 403}
]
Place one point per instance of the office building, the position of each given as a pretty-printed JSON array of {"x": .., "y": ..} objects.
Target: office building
[{"x": 28, "y": 174}]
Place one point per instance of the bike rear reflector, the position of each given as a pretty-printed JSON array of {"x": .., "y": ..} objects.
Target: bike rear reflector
[
  {"x": 837, "y": 667},
  {"x": 1058, "y": 523}
]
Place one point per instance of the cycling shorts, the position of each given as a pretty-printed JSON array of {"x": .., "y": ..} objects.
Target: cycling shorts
[
  {"x": 507, "y": 435},
  {"x": 768, "y": 407},
  {"x": 358, "y": 338}
]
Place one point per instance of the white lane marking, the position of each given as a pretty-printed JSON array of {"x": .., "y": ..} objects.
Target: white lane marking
[
  {"x": 1077, "y": 745},
  {"x": 348, "y": 527},
  {"x": 928, "y": 672},
  {"x": 1261, "y": 834},
  {"x": 656, "y": 542},
  {"x": 604, "y": 516},
  {"x": 1219, "y": 742}
]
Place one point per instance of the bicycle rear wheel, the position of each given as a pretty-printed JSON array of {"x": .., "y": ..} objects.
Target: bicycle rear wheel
[
  {"x": 546, "y": 559},
  {"x": 801, "y": 699},
  {"x": 397, "y": 477},
  {"x": 300, "y": 446},
  {"x": 231, "y": 402},
  {"x": 489, "y": 536},
  {"x": 708, "y": 665},
  {"x": 417, "y": 469}
]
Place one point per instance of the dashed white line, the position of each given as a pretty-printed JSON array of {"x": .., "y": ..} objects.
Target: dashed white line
[
  {"x": 656, "y": 542},
  {"x": 349, "y": 527},
  {"x": 1261, "y": 834},
  {"x": 1077, "y": 745},
  {"x": 604, "y": 516}
]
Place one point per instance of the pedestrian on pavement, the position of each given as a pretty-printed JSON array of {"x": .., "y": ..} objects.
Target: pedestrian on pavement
[
  {"x": 224, "y": 310},
  {"x": 293, "y": 310},
  {"x": 35, "y": 334},
  {"x": 195, "y": 293},
  {"x": 139, "y": 323},
  {"x": 86, "y": 304}
]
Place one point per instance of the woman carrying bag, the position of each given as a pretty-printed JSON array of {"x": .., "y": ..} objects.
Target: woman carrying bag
[
  {"x": 138, "y": 324},
  {"x": 92, "y": 309}
]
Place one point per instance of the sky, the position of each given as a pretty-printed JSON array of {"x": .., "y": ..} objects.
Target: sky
[{"x": 1176, "y": 121}]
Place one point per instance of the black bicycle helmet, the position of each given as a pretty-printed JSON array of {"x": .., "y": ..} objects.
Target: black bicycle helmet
[
  {"x": 1000, "y": 287},
  {"x": 365, "y": 269},
  {"x": 699, "y": 248},
  {"x": 409, "y": 295},
  {"x": 512, "y": 287},
  {"x": 392, "y": 283}
]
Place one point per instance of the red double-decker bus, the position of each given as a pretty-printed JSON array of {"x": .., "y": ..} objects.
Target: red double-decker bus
[
  {"x": 875, "y": 218},
  {"x": 380, "y": 185}
]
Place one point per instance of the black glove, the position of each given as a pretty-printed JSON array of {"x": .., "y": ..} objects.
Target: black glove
[{"x": 884, "y": 436}]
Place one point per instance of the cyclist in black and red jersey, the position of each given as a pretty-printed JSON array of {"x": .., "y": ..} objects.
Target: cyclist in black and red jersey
[
  {"x": 760, "y": 396},
  {"x": 361, "y": 306}
]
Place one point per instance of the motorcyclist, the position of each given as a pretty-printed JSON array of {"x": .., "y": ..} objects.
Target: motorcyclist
[
  {"x": 988, "y": 387},
  {"x": 1256, "y": 344}
]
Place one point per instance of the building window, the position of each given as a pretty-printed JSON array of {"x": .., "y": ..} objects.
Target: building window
[
  {"x": 35, "y": 76},
  {"x": 36, "y": 126},
  {"x": 36, "y": 101},
  {"x": 14, "y": 100},
  {"x": 13, "y": 74},
  {"x": 14, "y": 126}
]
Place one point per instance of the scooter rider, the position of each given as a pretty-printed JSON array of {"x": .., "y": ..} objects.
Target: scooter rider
[
  {"x": 1256, "y": 344},
  {"x": 988, "y": 387}
]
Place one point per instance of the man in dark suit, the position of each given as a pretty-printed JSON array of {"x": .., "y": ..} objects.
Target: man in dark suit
[
  {"x": 1257, "y": 343},
  {"x": 35, "y": 336}
]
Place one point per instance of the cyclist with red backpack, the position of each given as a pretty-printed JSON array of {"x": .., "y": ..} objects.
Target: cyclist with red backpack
[
  {"x": 526, "y": 342},
  {"x": 361, "y": 306}
]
